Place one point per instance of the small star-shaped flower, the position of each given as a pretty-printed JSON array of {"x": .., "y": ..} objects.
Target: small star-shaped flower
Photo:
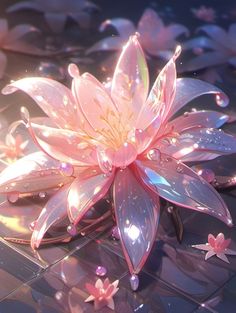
[
  {"x": 102, "y": 293},
  {"x": 216, "y": 246}
]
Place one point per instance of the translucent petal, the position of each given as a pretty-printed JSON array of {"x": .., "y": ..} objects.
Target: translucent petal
[
  {"x": 54, "y": 99},
  {"x": 96, "y": 104},
  {"x": 24, "y": 5},
  {"x": 201, "y": 42},
  {"x": 188, "y": 89},
  {"x": 32, "y": 173},
  {"x": 89, "y": 186},
  {"x": 53, "y": 212},
  {"x": 56, "y": 21},
  {"x": 123, "y": 26},
  {"x": 217, "y": 33},
  {"x": 130, "y": 82},
  {"x": 122, "y": 157},
  {"x": 177, "y": 183},
  {"x": 19, "y": 31},
  {"x": 176, "y": 30},
  {"x": 64, "y": 145},
  {"x": 137, "y": 213},
  {"x": 149, "y": 25},
  {"x": 209, "y": 119},
  {"x": 161, "y": 95},
  {"x": 207, "y": 59}
]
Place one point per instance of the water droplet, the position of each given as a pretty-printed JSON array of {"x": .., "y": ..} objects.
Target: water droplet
[
  {"x": 207, "y": 174},
  {"x": 101, "y": 271},
  {"x": 59, "y": 296},
  {"x": 134, "y": 282},
  {"x": 154, "y": 155},
  {"x": 66, "y": 169},
  {"x": 115, "y": 233},
  {"x": 221, "y": 100},
  {"x": 42, "y": 195},
  {"x": 32, "y": 225},
  {"x": 13, "y": 197},
  {"x": 104, "y": 162},
  {"x": 72, "y": 230},
  {"x": 51, "y": 70}
]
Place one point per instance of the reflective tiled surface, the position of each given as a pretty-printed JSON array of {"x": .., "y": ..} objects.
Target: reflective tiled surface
[{"x": 176, "y": 278}]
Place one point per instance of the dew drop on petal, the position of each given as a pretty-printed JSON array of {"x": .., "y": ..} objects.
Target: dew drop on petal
[
  {"x": 134, "y": 282},
  {"x": 66, "y": 169},
  {"x": 13, "y": 197},
  {"x": 207, "y": 174},
  {"x": 101, "y": 271},
  {"x": 154, "y": 155},
  {"x": 221, "y": 100},
  {"x": 42, "y": 195},
  {"x": 72, "y": 230},
  {"x": 32, "y": 225}
]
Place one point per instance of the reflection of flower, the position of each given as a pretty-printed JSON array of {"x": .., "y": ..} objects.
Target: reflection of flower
[
  {"x": 204, "y": 13},
  {"x": 13, "y": 148},
  {"x": 155, "y": 38},
  {"x": 122, "y": 137},
  {"x": 102, "y": 293},
  {"x": 216, "y": 246},
  {"x": 11, "y": 40},
  {"x": 220, "y": 47},
  {"x": 56, "y": 12}
]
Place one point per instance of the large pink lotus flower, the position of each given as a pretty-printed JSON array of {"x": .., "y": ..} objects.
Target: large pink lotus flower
[
  {"x": 102, "y": 293},
  {"x": 218, "y": 48},
  {"x": 156, "y": 38},
  {"x": 217, "y": 246},
  {"x": 12, "y": 40},
  {"x": 57, "y": 12},
  {"x": 122, "y": 139}
]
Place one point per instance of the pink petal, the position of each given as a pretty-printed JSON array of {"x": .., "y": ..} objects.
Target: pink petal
[
  {"x": 205, "y": 247},
  {"x": 56, "y": 21},
  {"x": 188, "y": 89},
  {"x": 201, "y": 42},
  {"x": 53, "y": 212},
  {"x": 226, "y": 243},
  {"x": 217, "y": 33},
  {"x": 54, "y": 99},
  {"x": 124, "y": 27},
  {"x": 110, "y": 304},
  {"x": 130, "y": 82},
  {"x": 211, "y": 240},
  {"x": 161, "y": 95},
  {"x": 207, "y": 119},
  {"x": 3, "y": 64},
  {"x": 205, "y": 60},
  {"x": 64, "y": 145},
  {"x": 122, "y": 157},
  {"x": 175, "y": 30},
  {"x": 137, "y": 213},
  {"x": 24, "y": 5},
  {"x": 107, "y": 44},
  {"x": 106, "y": 283},
  {"x": 19, "y": 31},
  {"x": 90, "y": 186},
  {"x": 92, "y": 290},
  {"x": 32, "y": 173},
  {"x": 177, "y": 183},
  {"x": 223, "y": 257},
  {"x": 96, "y": 104},
  {"x": 209, "y": 254}
]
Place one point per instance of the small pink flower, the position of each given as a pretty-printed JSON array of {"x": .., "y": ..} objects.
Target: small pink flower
[
  {"x": 102, "y": 293},
  {"x": 13, "y": 148},
  {"x": 216, "y": 246},
  {"x": 205, "y": 14}
]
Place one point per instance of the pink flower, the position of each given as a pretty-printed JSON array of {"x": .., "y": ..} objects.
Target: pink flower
[
  {"x": 102, "y": 293},
  {"x": 216, "y": 246},
  {"x": 156, "y": 38},
  {"x": 57, "y": 12},
  {"x": 12, "y": 40},
  {"x": 126, "y": 139},
  {"x": 13, "y": 148},
  {"x": 219, "y": 47},
  {"x": 204, "y": 13}
]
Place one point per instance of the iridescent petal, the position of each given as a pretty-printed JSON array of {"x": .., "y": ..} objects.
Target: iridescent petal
[
  {"x": 130, "y": 82},
  {"x": 122, "y": 157},
  {"x": 161, "y": 95},
  {"x": 149, "y": 25},
  {"x": 137, "y": 213},
  {"x": 19, "y": 31},
  {"x": 217, "y": 33},
  {"x": 32, "y": 173},
  {"x": 64, "y": 145},
  {"x": 24, "y": 5},
  {"x": 201, "y": 42},
  {"x": 176, "y": 30},
  {"x": 207, "y": 59},
  {"x": 53, "y": 212},
  {"x": 54, "y": 99},
  {"x": 188, "y": 89},
  {"x": 89, "y": 186},
  {"x": 210, "y": 119},
  {"x": 177, "y": 183},
  {"x": 124, "y": 27}
]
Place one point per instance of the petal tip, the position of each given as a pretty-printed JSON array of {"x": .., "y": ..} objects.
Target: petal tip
[
  {"x": 8, "y": 89},
  {"x": 73, "y": 70}
]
